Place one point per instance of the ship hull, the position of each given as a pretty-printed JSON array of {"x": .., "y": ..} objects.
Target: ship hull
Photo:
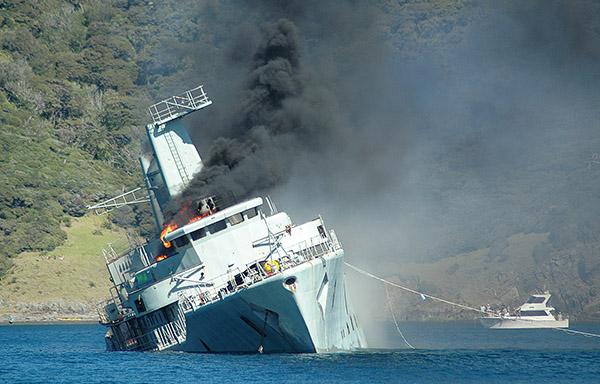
[
  {"x": 313, "y": 314},
  {"x": 504, "y": 323}
]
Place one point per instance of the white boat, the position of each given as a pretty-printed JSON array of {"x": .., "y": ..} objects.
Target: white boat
[
  {"x": 238, "y": 276},
  {"x": 535, "y": 313}
]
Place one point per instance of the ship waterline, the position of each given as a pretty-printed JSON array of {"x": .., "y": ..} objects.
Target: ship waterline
[{"x": 516, "y": 323}]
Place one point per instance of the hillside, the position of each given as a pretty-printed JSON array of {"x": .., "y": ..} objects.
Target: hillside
[
  {"x": 70, "y": 113},
  {"x": 505, "y": 273},
  {"x": 65, "y": 283},
  {"x": 465, "y": 132},
  {"x": 75, "y": 80}
]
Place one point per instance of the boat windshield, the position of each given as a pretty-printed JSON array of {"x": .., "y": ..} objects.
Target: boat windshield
[
  {"x": 535, "y": 300},
  {"x": 534, "y": 313}
]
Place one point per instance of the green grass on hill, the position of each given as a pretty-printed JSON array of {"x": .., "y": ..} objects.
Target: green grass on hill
[
  {"x": 73, "y": 272},
  {"x": 71, "y": 113}
]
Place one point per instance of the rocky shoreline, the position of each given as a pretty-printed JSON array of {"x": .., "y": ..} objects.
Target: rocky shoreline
[{"x": 55, "y": 311}]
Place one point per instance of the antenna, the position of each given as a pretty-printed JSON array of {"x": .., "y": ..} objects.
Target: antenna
[
  {"x": 135, "y": 196},
  {"x": 174, "y": 160},
  {"x": 179, "y": 105}
]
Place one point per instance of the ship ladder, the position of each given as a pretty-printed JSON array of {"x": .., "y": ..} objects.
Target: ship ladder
[{"x": 176, "y": 157}]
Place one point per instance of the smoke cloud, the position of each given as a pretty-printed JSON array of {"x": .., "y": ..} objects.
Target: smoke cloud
[
  {"x": 417, "y": 130},
  {"x": 280, "y": 112}
]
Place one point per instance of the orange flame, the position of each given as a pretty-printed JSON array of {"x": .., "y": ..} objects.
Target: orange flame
[
  {"x": 168, "y": 229},
  {"x": 199, "y": 217},
  {"x": 160, "y": 258}
]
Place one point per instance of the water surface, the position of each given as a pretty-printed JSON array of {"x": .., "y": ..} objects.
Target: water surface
[{"x": 448, "y": 352}]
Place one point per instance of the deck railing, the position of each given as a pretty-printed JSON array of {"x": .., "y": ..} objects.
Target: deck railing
[
  {"x": 159, "y": 338},
  {"x": 240, "y": 278},
  {"x": 179, "y": 105},
  {"x": 255, "y": 272}
]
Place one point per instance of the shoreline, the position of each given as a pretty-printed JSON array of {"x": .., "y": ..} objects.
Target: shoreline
[
  {"x": 48, "y": 322},
  {"x": 4, "y": 322}
]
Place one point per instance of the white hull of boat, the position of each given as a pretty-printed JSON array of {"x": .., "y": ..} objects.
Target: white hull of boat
[{"x": 520, "y": 323}]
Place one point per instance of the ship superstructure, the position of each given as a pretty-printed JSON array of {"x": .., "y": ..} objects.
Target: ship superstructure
[{"x": 236, "y": 276}]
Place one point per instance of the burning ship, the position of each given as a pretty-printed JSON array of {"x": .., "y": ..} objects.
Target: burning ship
[{"x": 238, "y": 276}]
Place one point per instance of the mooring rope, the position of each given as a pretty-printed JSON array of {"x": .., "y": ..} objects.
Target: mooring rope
[
  {"x": 389, "y": 302},
  {"x": 423, "y": 294},
  {"x": 586, "y": 334}
]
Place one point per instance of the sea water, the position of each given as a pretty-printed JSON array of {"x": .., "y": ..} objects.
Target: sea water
[{"x": 452, "y": 352}]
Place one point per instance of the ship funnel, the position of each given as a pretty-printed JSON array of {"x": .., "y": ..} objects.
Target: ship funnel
[{"x": 174, "y": 160}]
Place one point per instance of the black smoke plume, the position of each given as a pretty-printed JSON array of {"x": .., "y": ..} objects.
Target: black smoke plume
[{"x": 280, "y": 111}]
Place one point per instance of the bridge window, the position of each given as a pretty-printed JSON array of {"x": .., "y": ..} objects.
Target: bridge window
[
  {"x": 534, "y": 313},
  {"x": 535, "y": 300},
  {"x": 235, "y": 219},
  {"x": 143, "y": 279},
  {"x": 200, "y": 233},
  {"x": 250, "y": 213},
  {"x": 181, "y": 241},
  {"x": 216, "y": 227}
]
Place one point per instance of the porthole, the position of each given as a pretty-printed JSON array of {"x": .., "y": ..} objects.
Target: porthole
[{"x": 290, "y": 284}]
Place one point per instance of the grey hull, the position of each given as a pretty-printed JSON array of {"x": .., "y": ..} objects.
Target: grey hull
[{"x": 313, "y": 314}]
